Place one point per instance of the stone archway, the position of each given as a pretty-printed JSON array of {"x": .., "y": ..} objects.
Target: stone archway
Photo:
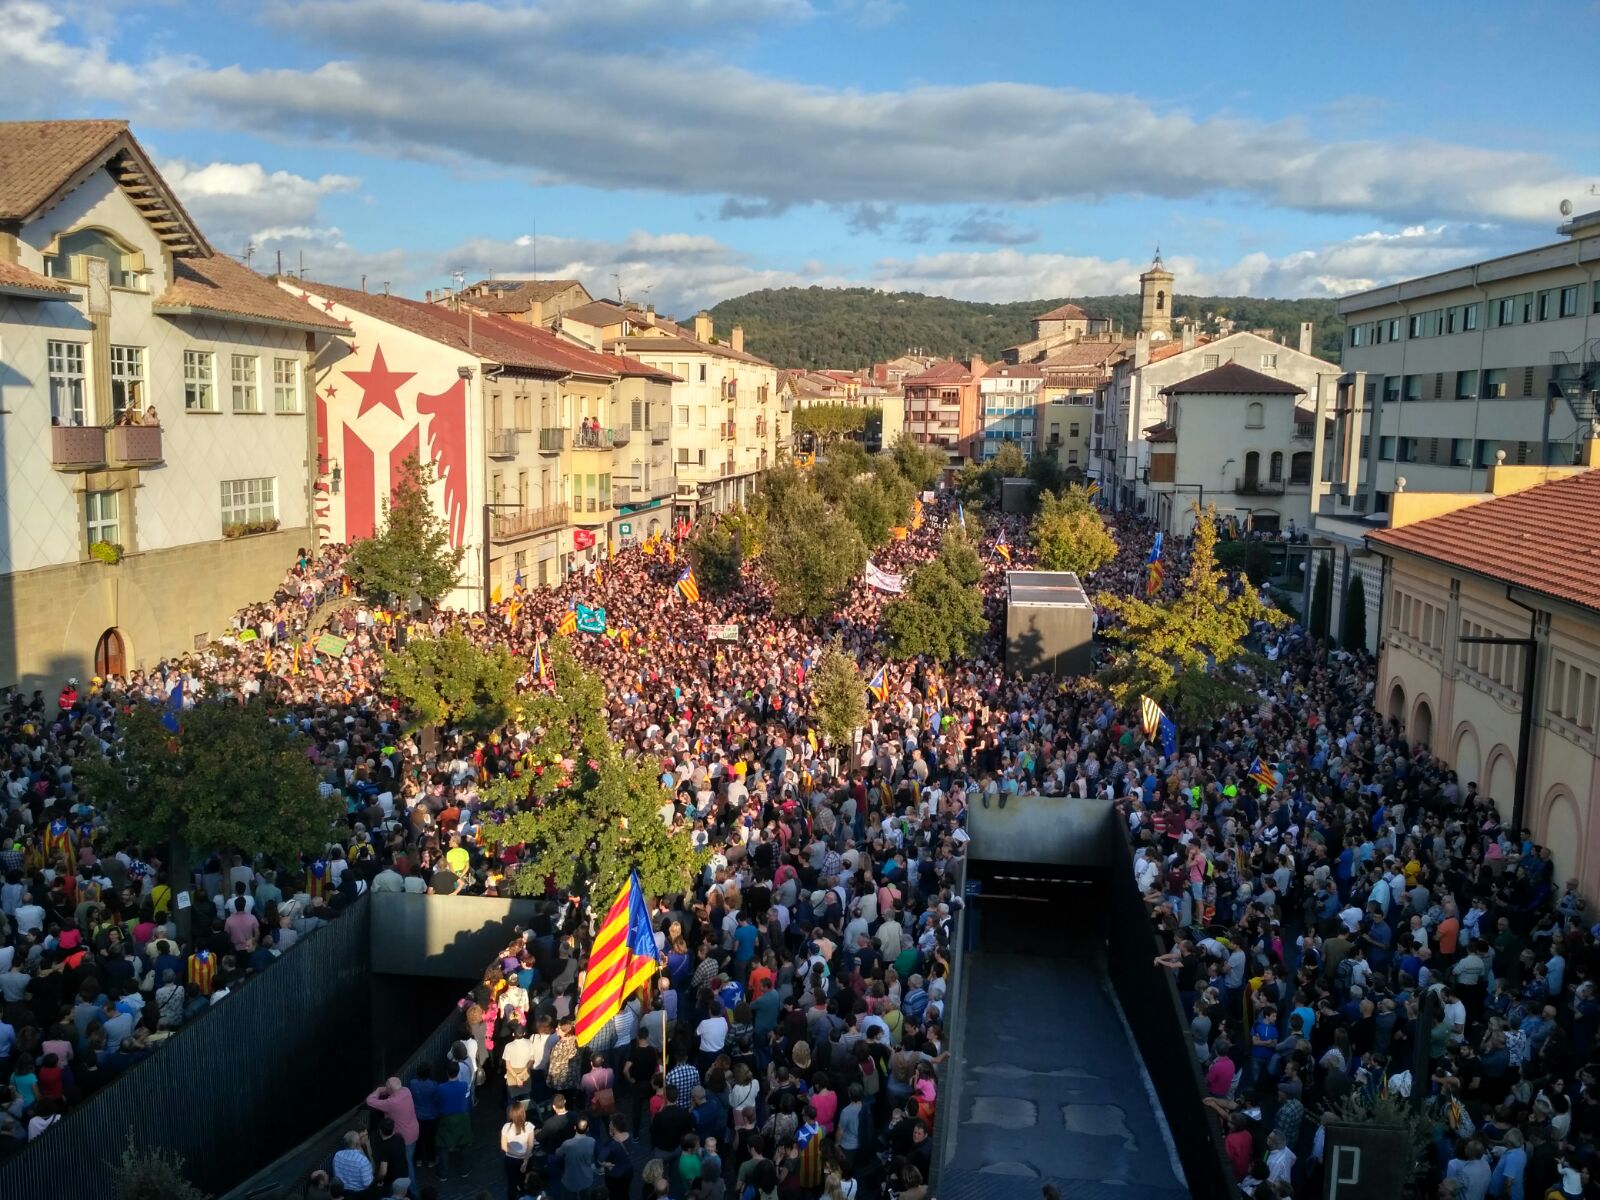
[
  {"x": 1560, "y": 827},
  {"x": 1468, "y": 758},
  {"x": 110, "y": 654},
  {"x": 1421, "y": 727},
  {"x": 1397, "y": 702},
  {"x": 1500, "y": 780}
]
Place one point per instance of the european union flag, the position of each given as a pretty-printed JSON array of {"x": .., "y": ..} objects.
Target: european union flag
[{"x": 169, "y": 719}]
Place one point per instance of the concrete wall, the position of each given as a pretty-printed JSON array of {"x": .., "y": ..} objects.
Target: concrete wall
[
  {"x": 1054, "y": 830},
  {"x": 1050, "y": 638},
  {"x": 159, "y": 600},
  {"x": 447, "y": 936}
]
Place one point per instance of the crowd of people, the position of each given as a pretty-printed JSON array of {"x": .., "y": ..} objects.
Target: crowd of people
[{"x": 790, "y": 1045}]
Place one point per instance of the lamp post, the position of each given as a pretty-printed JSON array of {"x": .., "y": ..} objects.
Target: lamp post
[{"x": 488, "y": 511}]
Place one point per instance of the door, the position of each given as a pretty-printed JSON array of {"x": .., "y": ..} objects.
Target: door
[
  {"x": 110, "y": 657},
  {"x": 1252, "y": 469}
]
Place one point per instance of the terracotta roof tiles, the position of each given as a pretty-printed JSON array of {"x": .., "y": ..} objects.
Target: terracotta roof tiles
[
  {"x": 1064, "y": 312},
  {"x": 1230, "y": 379},
  {"x": 218, "y": 286},
  {"x": 19, "y": 280},
  {"x": 1543, "y": 539},
  {"x": 39, "y": 158}
]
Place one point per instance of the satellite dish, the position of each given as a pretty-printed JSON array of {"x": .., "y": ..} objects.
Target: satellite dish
[{"x": 1566, "y": 208}]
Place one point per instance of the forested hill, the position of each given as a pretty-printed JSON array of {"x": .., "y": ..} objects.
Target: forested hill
[{"x": 853, "y": 327}]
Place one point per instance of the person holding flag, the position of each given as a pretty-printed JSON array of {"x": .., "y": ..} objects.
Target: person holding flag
[
  {"x": 879, "y": 685},
  {"x": 569, "y": 623},
  {"x": 1154, "y": 570},
  {"x": 1263, "y": 775},
  {"x": 688, "y": 587},
  {"x": 1157, "y": 725},
  {"x": 622, "y": 960},
  {"x": 1003, "y": 547}
]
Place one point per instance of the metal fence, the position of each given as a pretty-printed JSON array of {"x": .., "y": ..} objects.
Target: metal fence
[
  {"x": 949, "y": 1108},
  {"x": 230, "y": 1088},
  {"x": 1149, "y": 997}
]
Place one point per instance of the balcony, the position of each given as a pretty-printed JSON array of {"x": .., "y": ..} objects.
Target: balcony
[
  {"x": 660, "y": 433},
  {"x": 77, "y": 448},
  {"x": 527, "y": 521},
  {"x": 552, "y": 441},
  {"x": 599, "y": 437},
  {"x": 503, "y": 443},
  {"x": 1257, "y": 487},
  {"x": 134, "y": 445},
  {"x": 761, "y": 427}
]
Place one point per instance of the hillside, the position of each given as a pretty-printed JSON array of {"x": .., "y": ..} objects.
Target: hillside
[{"x": 854, "y": 327}]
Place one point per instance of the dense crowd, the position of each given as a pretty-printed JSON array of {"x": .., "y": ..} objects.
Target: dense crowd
[{"x": 789, "y": 1046}]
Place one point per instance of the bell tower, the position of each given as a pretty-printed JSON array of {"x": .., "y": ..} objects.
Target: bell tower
[{"x": 1155, "y": 300}]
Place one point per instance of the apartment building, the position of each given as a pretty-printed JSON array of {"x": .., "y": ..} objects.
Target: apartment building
[
  {"x": 727, "y": 422},
  {"x": 536, "y": 302},
  {"x": 1008, "y": 401},
  {"x": 1446, "y": 375},
  {"x": 543, "y": 451},
  {"x": 942, "y": 407},
  {"x": 1510, "y": 562},
  {"x": 155, "y": 438}
]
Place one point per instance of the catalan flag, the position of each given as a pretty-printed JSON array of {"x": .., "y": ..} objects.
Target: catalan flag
[
  {"x": 538, "y": 661},
  {"x": 879, "y": 687},
  {"x": 516, "y": 584},
  {"x": 1158, "y": 725},
  {"x": 203, "y": 971},
  {"x": 1002, "y": 547},
  {"x": 622, "y": 961},
  {"x": 1092, "y": 492},
  {"x": 1263, "y": 774},
  {"x": 916, "y": 513},
  {"x": 1154, "y": 571},
  {"x": 58, "y": 840},
  {"x": 811, "y": 739},
  {"x": 569, "y": 623},
  {"x": 599, "y": 576},
  {"x": 688, "y": 586}
]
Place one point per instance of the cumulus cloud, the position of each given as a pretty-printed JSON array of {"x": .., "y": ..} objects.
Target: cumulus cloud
[
  {"x": 235, "y": 203},
  {"x": 617, "y": 108}
]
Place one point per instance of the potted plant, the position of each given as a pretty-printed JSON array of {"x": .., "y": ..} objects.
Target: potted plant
[{"x": 109, "y": 553}]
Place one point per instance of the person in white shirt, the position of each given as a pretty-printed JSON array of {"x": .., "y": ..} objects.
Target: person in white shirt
[
  {"x": 713, "y": 1033},
  {"x": 1280, "y": 1159}
]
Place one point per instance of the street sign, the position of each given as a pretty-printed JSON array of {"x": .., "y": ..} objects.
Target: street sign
[{"x": 625, "y": 528}]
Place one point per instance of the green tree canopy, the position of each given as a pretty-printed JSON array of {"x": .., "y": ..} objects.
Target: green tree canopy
[
  {"x": 838, "y": 470},
  {"x": 921, "y": 465},
  {"x": 233, "y": 777},
  {"x": 813, "y": 554},
  {"x": 449, "y": 680},
  {"x": 829, "y": 423},
  {"x": 1009, "y": 462},
  {"x": 838, "y": 695},
  {"x": 1070, "y": 536},
  {"x": 960, "y": 557},
  {"x": 748, "y": 524},
  {"x": 585, "y": 812},
  {"x": 1321, "y": 600},
  {"x": 939, "y": 616},
  {"x": 1354, "y": 636},
  {"x": 1181, "y": 651},
  {"x": 714, "y": 549},
  {"x": 411, "y": 555}
]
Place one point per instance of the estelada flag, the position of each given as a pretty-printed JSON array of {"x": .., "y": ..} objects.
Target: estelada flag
[{"x": 622, "y": 961}]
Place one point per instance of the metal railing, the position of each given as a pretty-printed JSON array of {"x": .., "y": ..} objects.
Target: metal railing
[
  {"x": 77, "y": 447},
  {"x": 601, "y": 437},
  {"x": 1247, "y": 486},
  {"x": 552, "y": 441},
  {"x": 528, "y": 521},
  {"x": 503, "y": 443},
  {"x": 661, "y": 432}
]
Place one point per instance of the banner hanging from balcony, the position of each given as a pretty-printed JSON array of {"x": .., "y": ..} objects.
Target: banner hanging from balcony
[
  {"x": 884, "y": 581},
  {"x": 591, "y": 620}
]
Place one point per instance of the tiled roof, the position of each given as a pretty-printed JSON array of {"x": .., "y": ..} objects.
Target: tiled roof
[
  {"x": 603, "y": 312},
  {"x": 947, "y": 371},
  {"x": 687, "y": 345},
  {"x": 19, "y": 280},
  {"x": 1230, "y": 379},
  {"x": 1084, "y": 354},
  {"x": 492, "y": 338},
  {"x": 519, "y": 294},
  {"x": 1005, "y": 370},
  {"x": 218, "y": 286},
  {"x": 1161, "y": 431},
  {"x": 1065, "y": 312},
  {"x": 39, "y": 158},
  {"x": 1543, "y": 539}
]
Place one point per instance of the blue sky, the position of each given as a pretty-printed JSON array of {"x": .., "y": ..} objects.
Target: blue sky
[{"x": 691, "y": 150}]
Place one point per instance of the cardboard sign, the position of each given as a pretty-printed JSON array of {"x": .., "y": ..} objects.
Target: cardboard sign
[{"x": 332, "y": 643}]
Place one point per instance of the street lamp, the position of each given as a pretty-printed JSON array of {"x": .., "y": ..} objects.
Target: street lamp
[{"x": 488, "y": 510}]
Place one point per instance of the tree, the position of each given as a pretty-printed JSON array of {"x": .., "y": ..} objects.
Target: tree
[
  {"x": 876, "y": 503},
  {"x": 960, "y": 557},
  {"x": 1254, "y": 558},
  {"x": 584, "y": 808},
  {"x": 829, "y": 423},
  {"x": 813, "y": 555},
  {"x": 837, "y": 471},
  {"x": 411, "y": 555},
  {"x": 1181, "y": 651},
  {"x": 233, "y": 777},
  {"x": 451, "y": 681},
  {"x": 1069, "y": 537},
  {"x": 717, "y": 557},
  {"x": 1046, "y": 474},
  {"x": 748, "y": 524},
  {"x": 1321, "y": 601},
  {"x": 921, "y": 465},
  {"x": 939, "y": 616},
  {"x": 838, "y": 695},
  {"x": 1354, "y": 636},
  {"x": 155, "y": 1174},
  {"x": 1008, "y": 463}
]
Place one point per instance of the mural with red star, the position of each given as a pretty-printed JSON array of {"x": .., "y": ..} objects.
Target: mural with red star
[{"x": 379, "y": 385}]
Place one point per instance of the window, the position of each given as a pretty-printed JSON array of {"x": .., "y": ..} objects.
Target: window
[
  {"x": 245, "y": 500},
  {"x": 1072, "y": 456},
  {"x": 1505, "y": 311},
  {"x": 683, "y": 416},
  {"x": 1209, "y": 361},
  {"x": 702, "y": 372},
  {"x": 1594, "y": 302},
  {"x": 1487, "y": 449},
  {"x": 1393, "y": 332},
  {"x": 1546, "y": 304},
  {"x": 286, "y": 385},
  {"x": 246, "y": 384},
  {"x": 1161, "y": 302},
  {"x": 1386, "y": 449},
  {"x": 72, "y": 252},
  {"x": 1391, "y": 389},
  {"x": 1413, "y": 387},
  {"x": 100, "y": 512},
  {"x": 1494, "y": 383},
  {"x": 1460, "y": 452},
  {"x": 1253, "y": 418},
  {"x": 1269, "y": 362},
  {"x": 1275, "y": 467},
  {"x": 700, "y": 416},
  {"x": 68, "y": 403},
  {"x": 1569, "y": 302},
  {"x": 1466, "y": 385},
  {"x": 1469, "y": 317},
  {"x": 199, "y": 381},
  {"x": 1407, "y": 450},
  {"x": 1300, "y": 467},
  {"x": 127, "y": 380},
  {"x": 1072, "y": 429}
]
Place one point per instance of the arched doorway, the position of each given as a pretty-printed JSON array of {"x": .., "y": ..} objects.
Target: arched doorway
[
  {"x": 1422, "y": 725},
  {"x": 1469, "y": 756},
  {"x": 1397, "y": 703},
  {"x": 110, "y": 656},
  {"x": 1502, "y": 781}
]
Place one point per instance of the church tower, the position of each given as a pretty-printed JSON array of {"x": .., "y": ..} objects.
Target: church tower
[{"x": 1155, "y": 301}]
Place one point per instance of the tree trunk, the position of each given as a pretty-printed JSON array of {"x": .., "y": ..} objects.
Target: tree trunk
[{"x": 180, "y": 877}]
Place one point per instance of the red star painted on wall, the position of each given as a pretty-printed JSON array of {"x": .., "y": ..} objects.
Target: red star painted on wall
[
  {"x": 304, "y": 297},
  {"x": 332, "y": 391},
  {"x": 327, "y": 306},
  {"x": 379, "y": 385}
]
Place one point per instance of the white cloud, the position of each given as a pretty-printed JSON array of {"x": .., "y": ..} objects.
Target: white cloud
[
  {"x": 240, "y": 202},
  {"x": 616, "y": 108}
]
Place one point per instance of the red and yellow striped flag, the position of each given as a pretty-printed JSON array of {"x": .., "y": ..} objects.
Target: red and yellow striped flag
[{"x": 622, "y": 961}]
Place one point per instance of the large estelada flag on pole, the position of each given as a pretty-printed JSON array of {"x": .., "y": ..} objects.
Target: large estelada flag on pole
[{"x": 622, "y": 961}]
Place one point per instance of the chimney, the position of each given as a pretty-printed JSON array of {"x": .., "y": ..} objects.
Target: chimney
[
  {"x": 650, "y": 311},
  {"x": 702, "y": 326},
  {"x": 736, "y": 339},
  {"x": 1191, "y": 335},
  {"x": 977, "y": 366},
  {"x": 1305, "y": 337},
  {"x": 1141, "y": 348}
]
